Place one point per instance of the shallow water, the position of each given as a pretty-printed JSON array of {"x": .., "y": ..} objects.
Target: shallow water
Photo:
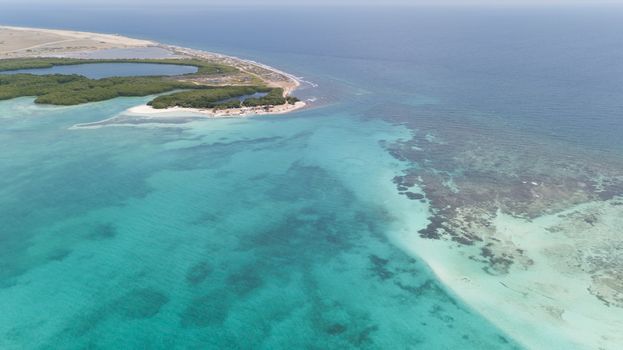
[{"x": 261, "y": 233}]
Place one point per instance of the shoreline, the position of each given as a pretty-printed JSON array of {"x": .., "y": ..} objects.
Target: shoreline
[
  {"x": 98, "y": 42},
  {"x": 148, "y": 111},
  {"x": 145, "y": 114},
  {"x": 235, "y": 61}
]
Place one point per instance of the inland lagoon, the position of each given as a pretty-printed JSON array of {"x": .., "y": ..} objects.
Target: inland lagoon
[{"x": 106, "y": 70}]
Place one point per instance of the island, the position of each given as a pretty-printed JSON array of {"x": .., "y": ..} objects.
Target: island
[{"x": 221, "y": 86}]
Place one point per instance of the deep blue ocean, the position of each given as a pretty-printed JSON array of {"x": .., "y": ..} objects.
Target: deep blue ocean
[{"x": 272, "y": 232}]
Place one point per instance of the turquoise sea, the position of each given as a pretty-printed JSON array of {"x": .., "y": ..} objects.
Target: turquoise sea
[{"x": 276, "y": 232}]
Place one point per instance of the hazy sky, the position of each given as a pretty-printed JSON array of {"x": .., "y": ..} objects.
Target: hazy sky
[{"x": 317, "y": 2}]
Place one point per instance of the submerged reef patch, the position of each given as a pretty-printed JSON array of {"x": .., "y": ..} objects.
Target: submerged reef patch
[
  {"x": 470, "y": 175},
  {"x": 141, "y": 303},
  {"x": 210, "y": 309},
  {"x": 103, "y": 231},
  {"x": 198, "y": 273}
]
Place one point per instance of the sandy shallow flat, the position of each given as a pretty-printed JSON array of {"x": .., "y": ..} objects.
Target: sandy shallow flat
[
  {"x": 551, "y": 304},
  {"x": 144, "y": 114}
]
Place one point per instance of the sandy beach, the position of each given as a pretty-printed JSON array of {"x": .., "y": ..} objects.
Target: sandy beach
[{"x": 148, "y": 111}]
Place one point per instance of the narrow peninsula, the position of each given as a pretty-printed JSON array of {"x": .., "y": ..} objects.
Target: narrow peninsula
[{"x": 220, "y": 86}]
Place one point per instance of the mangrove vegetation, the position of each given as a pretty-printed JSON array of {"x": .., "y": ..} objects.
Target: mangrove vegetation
[
  {"x": 223, "y": 97},
  {"x": 203, "y": 67},
  {"x": 65, "y": 90}
]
